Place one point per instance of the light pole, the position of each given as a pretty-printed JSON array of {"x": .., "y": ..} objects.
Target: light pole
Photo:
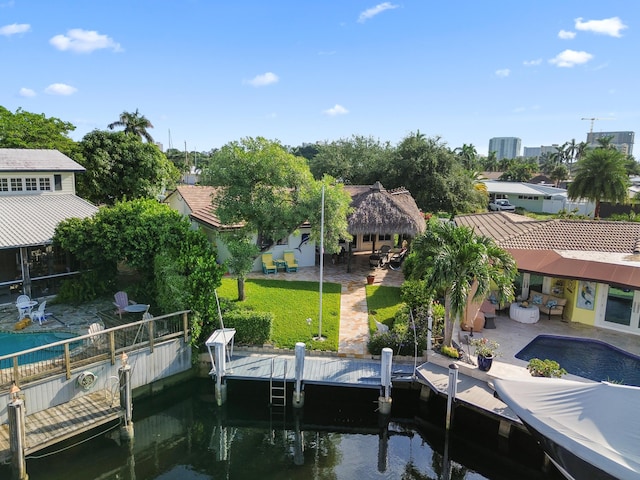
[{"x": 319, "y": 337}]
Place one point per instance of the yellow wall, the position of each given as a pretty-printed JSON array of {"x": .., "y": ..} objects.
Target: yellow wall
[{"x": 571, "y": 311}]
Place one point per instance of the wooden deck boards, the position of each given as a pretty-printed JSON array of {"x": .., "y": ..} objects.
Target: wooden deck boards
[
  {"x": 323, "y": 370},
  {"x": 470, "y": 391},
  {"x": 55, "y": 424}
]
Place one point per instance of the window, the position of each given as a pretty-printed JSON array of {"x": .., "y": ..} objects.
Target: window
[
  {"x": 367, "y": 237},
  {"x": 31, "y": 184},
  {"x": 45, "y": 184},
  {"x": 16, "y": 184},
  {"x": 4, "y": 185},
  {"x": 384, "y": 238},
  {"x": 57, "y": 181}
]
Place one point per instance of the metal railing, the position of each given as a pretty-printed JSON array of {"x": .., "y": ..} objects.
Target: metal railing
[{"x": 105, "y": 344}]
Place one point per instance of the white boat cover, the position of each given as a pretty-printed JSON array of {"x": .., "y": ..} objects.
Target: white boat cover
[{"x": 598, "y": 422}]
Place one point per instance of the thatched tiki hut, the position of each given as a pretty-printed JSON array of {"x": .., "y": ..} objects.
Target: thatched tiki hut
[{"x": 382, "y": 213}]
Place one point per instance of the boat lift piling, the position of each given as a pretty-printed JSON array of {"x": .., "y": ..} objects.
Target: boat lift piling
[
  {"x": 126, "y": 399},
  {"x": 219, "y": 340},
  {"x": 298, "y": 394},
  {"x": 384, "y": 400}
]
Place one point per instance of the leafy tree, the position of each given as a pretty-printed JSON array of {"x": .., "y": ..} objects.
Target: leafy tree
[
  {"x": 433, "y": 175},
  {"x": 467, "y": 155},
  {"x": 559, "y": 173},
  {"x": 271, "y": 192},
  {"x": 600, "y": 176},
  {"x": 119, "y": 166},
  {"x": 450, "y": 259},
  {"x": 134, "y": 124},
  {"x": 354, "y": 161},
  {"x": 605, "y": 142},
  {"x": 306, "y": 150},
  {"x": 30, "y": 130},
  {"x": 519, "y": 172},
  {"x": 243, "y": 252},
  {"x": 490, "y": 163}
]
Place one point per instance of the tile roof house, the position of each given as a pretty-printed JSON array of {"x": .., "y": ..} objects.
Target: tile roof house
[
  {"x": 565, "y": 255},
  {"x": 37, "y": 191},
  {"x": 387, "y": 214}
]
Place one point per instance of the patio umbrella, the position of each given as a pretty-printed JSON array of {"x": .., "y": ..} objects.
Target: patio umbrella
[{"x": 381, "y": 212}]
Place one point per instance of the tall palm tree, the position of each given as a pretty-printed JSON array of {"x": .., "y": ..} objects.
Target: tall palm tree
[
  {"x": 468, "y": 155},
  {"x": 134, "y": 124},
  {"x": 601, "y": 176},
  {"x": 451, "y": 259},
  {"x": 605, "y": 142}
]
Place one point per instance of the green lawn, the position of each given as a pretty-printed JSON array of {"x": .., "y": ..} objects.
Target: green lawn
[
  {"x": 291, "y": 304},
  {"x": 385, "y": 302}
]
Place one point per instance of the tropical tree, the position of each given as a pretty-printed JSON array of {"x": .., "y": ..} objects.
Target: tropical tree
[
  {"x": 30, "y": 130},
  {"x": 559, "y": 173},
  {"x": 119, "y": 166},
  {"x": 468, "y": 156},
  {"x": 490, "y": 163},
  {"x": 519, "y": 172},
  {"x": 450, "y": 260},
  {"x": 134, "y": 124},
  {"x": 243, "y": 251},
  {"x": 600, "y": 176},
  {"x": 605, "y": 142}
]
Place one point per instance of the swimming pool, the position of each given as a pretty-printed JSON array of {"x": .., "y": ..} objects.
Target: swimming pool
[
  {"x": 17, "y": 342},
  {"x": 586, "y": 358}
]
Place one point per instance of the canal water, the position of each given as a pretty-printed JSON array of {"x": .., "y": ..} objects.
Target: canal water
[{"x": 184, "y": 435}]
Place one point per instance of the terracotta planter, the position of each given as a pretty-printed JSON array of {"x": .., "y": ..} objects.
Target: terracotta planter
[
  {"x": 370, "y": 279},
  {"x": 484, "y": 363}
]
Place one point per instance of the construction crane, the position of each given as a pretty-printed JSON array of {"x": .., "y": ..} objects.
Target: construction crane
[{"x": 593, "y": 119}]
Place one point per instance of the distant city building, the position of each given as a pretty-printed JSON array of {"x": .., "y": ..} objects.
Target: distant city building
[
  {"x": 537, "y": 152},
  {"x": 505, "y": 147},
  {"x": 623, "y": 141}
]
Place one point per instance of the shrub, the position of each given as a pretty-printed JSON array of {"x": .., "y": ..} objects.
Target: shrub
[
  {"x": 450, "y": 351},
  {"x": 84, "y": 288},
  {"x": 545, "y": 368},
  {"x": 400, "y": 344},
  {"x": 252, "y": 328}
]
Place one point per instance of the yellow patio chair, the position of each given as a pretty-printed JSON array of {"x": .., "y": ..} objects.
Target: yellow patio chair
[
  {"x": 290, "y": 263},
  {"x": 267, "y": 264}
]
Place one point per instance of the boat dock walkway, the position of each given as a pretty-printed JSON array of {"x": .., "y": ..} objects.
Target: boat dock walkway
[
  {"x": 319, "y": 370},
  {"x": 473, "y": 393},
  {"x": 55, "y": 424}
]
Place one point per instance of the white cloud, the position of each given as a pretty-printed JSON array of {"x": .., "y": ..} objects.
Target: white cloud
[
  {"x": 570, "y": 58},
  {"x": 84, "y": 41},
  {"x": 336, "y": 110},
  {"x": 60, "y": 89},
  {"x": 566, "y": 35},
  {"x": 14, "y": 28},
  {"x": 373, "y": 11},
  {"x": 532, "y": 63},
  {"x": 26, "y": 92},
  {"x": 503, "y": 72},
  {"x": 608, "y": 26},
  {"x": 264, "y": 79}
]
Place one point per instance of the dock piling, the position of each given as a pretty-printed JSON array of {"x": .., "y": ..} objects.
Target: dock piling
[
  {"x": 298, "y": 394},
  {"x": 126, "y": 399},
  {"x": 451, "y": 393},
  {"x": 17, "y": 435},
  {"x": 384, "y": 401}
]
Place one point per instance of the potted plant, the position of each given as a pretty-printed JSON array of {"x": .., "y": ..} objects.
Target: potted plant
[
  {"x": 485, "y": 350},
  {"x": 370, "y": 279},
  {"x": 545, "y": 368}
]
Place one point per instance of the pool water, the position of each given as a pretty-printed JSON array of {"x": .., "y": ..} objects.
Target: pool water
[
  {"x": 586, "y": 358},
  {"x": 17, "y": 342}
]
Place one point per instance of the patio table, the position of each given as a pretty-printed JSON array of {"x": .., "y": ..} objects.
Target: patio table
[
  {"x": 522, "y": 314},
  {"x": 136, "y": 308}
]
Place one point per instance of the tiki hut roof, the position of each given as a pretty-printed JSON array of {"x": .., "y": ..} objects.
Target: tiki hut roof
[{"x": 381, "y": 211}]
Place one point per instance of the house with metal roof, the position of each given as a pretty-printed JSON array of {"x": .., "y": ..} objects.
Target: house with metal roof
[
  {"x": 538, "y": 198},
  {"x": 568, "y": 258},
  {"x": 37, "y": 191}
]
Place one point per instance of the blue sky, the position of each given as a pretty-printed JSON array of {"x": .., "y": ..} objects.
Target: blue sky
[{"x": 207, "y": 72}]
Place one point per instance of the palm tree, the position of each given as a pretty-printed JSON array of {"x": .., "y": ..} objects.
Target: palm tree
[
  {"x": 134, "y": 124},
  {"x": 605, "y": 142},
  {"x": 450, "y": 260},
  {"x": 468, "y": 155},
  {"x": 490, "y": 163},
  {"x": 601, "y": 176}
]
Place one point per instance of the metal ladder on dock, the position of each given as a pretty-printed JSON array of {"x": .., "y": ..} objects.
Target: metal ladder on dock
[{"x": 277, "y": 397}]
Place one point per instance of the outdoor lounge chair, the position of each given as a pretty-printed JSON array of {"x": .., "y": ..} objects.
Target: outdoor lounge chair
[
  {"x": 39, "y": 314},
  {"x": 267, "y": 264},
  {"x": 395, "y": 262},
  {"x": 121, "y": 301},
  {"x": 290, "y": 263}
]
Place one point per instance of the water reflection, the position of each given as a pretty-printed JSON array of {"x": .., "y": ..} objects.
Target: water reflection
[{"x": 338, "y": 435}]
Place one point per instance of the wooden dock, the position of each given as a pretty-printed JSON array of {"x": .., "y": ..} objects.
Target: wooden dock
[
  {"x": 318, "y": 370},
  {"x": 471, "y": 392},
  {"x": 55, "y": 424}
]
